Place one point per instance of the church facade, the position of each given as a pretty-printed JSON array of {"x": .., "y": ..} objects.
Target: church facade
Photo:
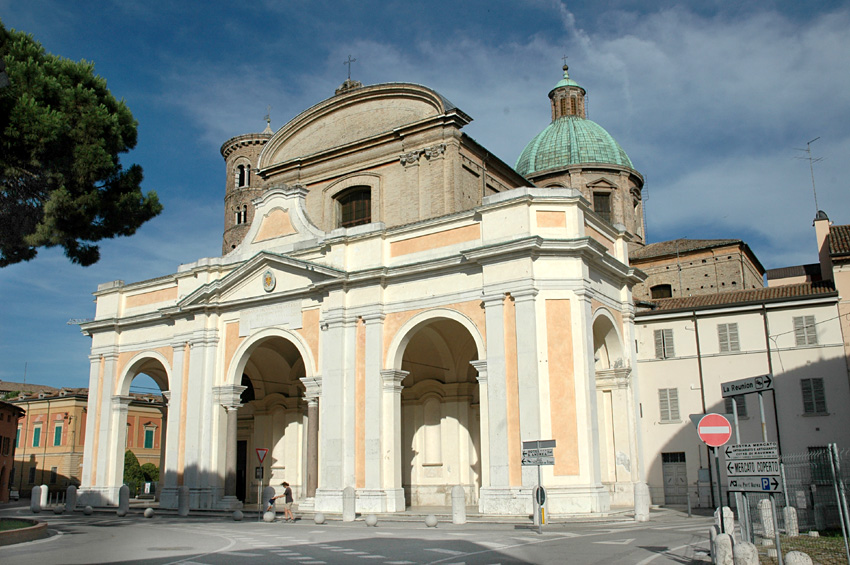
[{"x": 396, "y": 310}]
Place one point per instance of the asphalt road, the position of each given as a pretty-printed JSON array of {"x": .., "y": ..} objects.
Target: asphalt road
[{"x": 167, "y": 539}]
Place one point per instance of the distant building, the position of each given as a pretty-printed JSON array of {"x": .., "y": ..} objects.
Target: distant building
[
  {"x": 50, "y": 438},
  {"x": 692, "y": 267},
  {"x": 9, "y": 416}
]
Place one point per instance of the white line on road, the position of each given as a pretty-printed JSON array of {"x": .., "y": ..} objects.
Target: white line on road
[
  {"x": 652, "y": 558},
  {"x": 448, "y": 551}
]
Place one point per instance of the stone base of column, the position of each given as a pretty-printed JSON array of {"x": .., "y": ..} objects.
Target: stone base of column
[
  {"x": 621, "y": 493},
  {"x": 505, "y": 501},
  {"x": 380, "y": 500},
  {"x": 567, "y": 501},
  {"x": 97, "y": 496},
  {"x": 168, "y": 497},
  {"x": 307, "y": 505},
  {"x": 228, "y": 503},
  {"x": 328, "y": 500},
  {"x": 201, "y": 498}
]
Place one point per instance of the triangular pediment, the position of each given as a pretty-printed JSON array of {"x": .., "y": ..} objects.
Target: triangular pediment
[{"x": 264, "y": 275}]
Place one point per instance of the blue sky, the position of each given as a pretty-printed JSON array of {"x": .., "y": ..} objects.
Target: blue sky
[{"x": 709, "y": 99}]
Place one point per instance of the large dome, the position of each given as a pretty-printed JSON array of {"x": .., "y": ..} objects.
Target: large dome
[{"x": 570, "y": 140}]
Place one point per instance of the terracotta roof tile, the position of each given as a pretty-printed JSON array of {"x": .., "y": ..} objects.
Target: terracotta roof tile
[
  {"x": 10, "y": 386},
  {"x": 801, "y": 290},
  {"x": 839, "y": 240}
]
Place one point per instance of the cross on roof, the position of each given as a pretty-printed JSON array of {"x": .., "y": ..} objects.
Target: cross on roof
[
  {"x": 348, "y": 62},
  {"x": 565, "y": 59}
]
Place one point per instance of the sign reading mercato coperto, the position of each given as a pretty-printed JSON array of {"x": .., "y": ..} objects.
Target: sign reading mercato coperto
[
  {"x": 746, "y": 386},
  {"x": 540, "y": 452}
]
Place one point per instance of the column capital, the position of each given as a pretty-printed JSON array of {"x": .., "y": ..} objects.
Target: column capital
[
  {"x": 166, "y": 394},
  {"x": 493, "y": 299},
  {"x": 525, "y": 295},
  {"x": 121, "y": 402},
  {"x": 392, "y": 378},
  {"x": 313, "y": 386},
  {"x": 480, "y": 366},
  {"x": 374, "y": 317},
  {"x": 229, "y": 396}
]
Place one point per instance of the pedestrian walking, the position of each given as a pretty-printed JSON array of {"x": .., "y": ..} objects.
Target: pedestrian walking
[{"x": 287, "y": 503}]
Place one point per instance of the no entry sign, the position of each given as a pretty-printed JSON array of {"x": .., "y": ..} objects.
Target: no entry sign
[{"x": 714, "y": 429}]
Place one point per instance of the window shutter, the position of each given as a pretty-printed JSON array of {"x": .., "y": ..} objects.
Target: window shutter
[
  {"x": 810, "y": 330},
  {"x": 742, "y": 406},
  {"x": 664, "y": 404},
  {"x": 733, "y": 338},
  {"x": 674, "y": 403},
  {"x": 659, "y": 344},
  {"x": 799, "y": 331},
  {"x": 818, "y": 395},
  {"x": 808, "y": 396},
  {"x": 723, "y": 338},
  {"x": 727, "y": 404},
  {"x": 668, "y": 344}
]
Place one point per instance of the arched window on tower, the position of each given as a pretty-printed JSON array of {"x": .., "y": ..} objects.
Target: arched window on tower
[
  {"x": 563, "y": 105},
  {"x": 245, "y": 214},
  {"x": 573, "y": 106},
  {"x": 355, "y": 206},
  {"x": 238, "y": 214},
  {"x": 242, "y": 173}
]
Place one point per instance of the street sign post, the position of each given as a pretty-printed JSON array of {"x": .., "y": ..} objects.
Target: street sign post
[
  {"x": 538, "y": 452},
  {"x": 755, "y": 484},
  {"x": 714, "y": 430},
  {"x": 261, "y": 454},
  {"x": 753, "y": 467},
  {"x": 746, "y": 386}
]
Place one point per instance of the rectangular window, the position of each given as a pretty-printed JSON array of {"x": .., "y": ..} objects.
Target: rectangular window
[
  {"x": 36, "y": 436},
  {"x": 727, "y": 335},
  {"x": 805, "y": 332},
  {"x": 668, "y": 401},
  {"x": 32, "y": 475},
  {"x": 602, "y": 205},
  {"x": 740, "y": 401},
  {"x": 664, "y": 344},
  {"x": 53, "y": 471},
  {"x": 57, "y": 435},
  {"x": 814, "y": 397},
  {"x": 149, "y": 438},
  {"x": 18, "y": 438},
  {"x": 673, "y": 457},
  {"x": 4, "y": 446}
]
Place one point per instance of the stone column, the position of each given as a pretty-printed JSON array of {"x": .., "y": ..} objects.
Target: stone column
[
  {"x": 313, "y": 392},
  {"x": 528, "y": 374},
  {"x": 120, "y": 407},
  {"x": 497, "y": 430},
  {"x": 391, "y": 437},
  {"x": 162, "y": 443},
  {"x": 484, "y": 419},
  {"x": 229, "y": 398}
]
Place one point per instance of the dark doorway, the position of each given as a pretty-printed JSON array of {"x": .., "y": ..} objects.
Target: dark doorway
[{"x": 241, "y": 469}]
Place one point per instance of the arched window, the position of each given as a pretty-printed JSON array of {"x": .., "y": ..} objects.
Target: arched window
[
  {"x": 573, "y": 106},
  {"x": 355, "y": 206},
  {"x": 602, "y": 205},
  {"x": 238, "y": 216},
  {"x": 245, "y": 214},
  {"x": 242, "y": 175},
  {"x": 662, "y": 291}
]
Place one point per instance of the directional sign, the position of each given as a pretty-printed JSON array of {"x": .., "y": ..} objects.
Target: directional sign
[
  {"x": 753, "y": 467},
  {"x": 755, "y": 484},
  {"x": 767, "y": 450},
  {"x": 714, "y": 429},
  {"x": 261, "y": 453},
  {"x": 746, "y": 386},
  {"x": 539, "y": 452}
]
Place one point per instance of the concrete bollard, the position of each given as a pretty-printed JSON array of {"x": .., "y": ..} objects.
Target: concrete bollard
[
  {"x": 766, "y": 519},
  {"x": 723, "y": 549},
  {"x": 728, "y": 520},
  {"x": 268, "y": 493},
  {"x": 58, "y": 509},
  {"x": 149, "y": 512},
  {"x": 745, "y": 553},
  {"x": 183, "y": 500},
  {"x": 712, "y": 541},
  {"x": 35, "y": 500},
  {"x": 792, "y": 527},
  {"x": 371, "y": 520},
  {"x": 88, "y": 510},
  {"x": 797, "y": 558},
  {"x": 458, "y": 505},
  {"x": 71, "y": 499},
  {"x": 268, "y": 517},
  {"x": 642, "y": 501},
  {"x": 820, "y": 516},
  {"x": 44, "y": 493},
  {"x": 431, "y": 521},
  {"x": 237, "y": 515},
  {"x": 319, "y": 518},
  {"x": 123, "y": 501},
  {"x": 348, "y": 512}
]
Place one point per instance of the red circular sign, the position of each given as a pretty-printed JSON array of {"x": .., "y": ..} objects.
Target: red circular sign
[{"x": 714, "y": 429}]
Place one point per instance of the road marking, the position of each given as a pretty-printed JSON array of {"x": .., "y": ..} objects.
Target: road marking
[
  {"x": 447, "y": 551},
  {"x": 493, "y": 544},
  {"x": 399, "y": 562},
  {"x": 652, "y": 558},
  {"x": 302, "y": 558},
  {"x": 241, "y": 554},
  {"x": 318, "y": 531},
  {"x": 372, "y": 557},
  {"x": 617, "y": 542}
]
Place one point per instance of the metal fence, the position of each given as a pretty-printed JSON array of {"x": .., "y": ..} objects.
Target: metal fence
[{"x": 811, "y": 511}]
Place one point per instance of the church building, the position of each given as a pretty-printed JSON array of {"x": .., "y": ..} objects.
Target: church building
[{"x": 395, "y": 310}]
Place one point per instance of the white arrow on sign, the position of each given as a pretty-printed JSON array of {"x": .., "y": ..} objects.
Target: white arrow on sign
[
  {"x": 753, "y": 467},
  {"x": 746, "y": 386},
  {"x": 766, "y": 450},
  {"x": 755, "y": 484}
]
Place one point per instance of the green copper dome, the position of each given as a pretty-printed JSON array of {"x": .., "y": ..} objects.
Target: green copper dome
[{"x": 570, "y": 140}]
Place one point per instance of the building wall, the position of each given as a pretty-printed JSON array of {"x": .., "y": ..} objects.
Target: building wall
[
  {"x": 706, "y": 271},
  {"x": 9, "y": 416},
  {"x": 791, "y": 363}
]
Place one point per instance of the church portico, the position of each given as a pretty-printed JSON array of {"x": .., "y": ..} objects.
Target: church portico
[{"x": 400, "y": 351}]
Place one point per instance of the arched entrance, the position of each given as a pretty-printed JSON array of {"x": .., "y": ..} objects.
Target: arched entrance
[
  {"x": 140, "y": 412},
  {"x": 273, "y": 416},
  {"x": 615, "y": 409},
  {"x": 441, "y": 440}
]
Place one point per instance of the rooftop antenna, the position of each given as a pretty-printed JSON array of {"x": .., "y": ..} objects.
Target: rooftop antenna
[
  {"x": 348, "y": 62},
  {"x": 268, "y": 116},
  {"x": 812, "y": 161},
  {"x": 25, "y": 372}
]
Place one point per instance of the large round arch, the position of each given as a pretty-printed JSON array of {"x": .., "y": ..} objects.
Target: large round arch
[
  {"x": 243, "y": 352},
  {"x": 607, "y": 341},
  {"x": 150, "y": 363},
  {"x": 440, "y": 406}
]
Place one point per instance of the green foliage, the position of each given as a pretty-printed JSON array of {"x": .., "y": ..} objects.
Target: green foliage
[
  {"x": 151, "y": 472},
  {"x": 133, "y": 474},
  {"x": 61, "y": 181},
  {"x": 11, "y": 394}
]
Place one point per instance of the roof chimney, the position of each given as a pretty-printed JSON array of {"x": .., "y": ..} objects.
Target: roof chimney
[{"x": 821, "y": 224}]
